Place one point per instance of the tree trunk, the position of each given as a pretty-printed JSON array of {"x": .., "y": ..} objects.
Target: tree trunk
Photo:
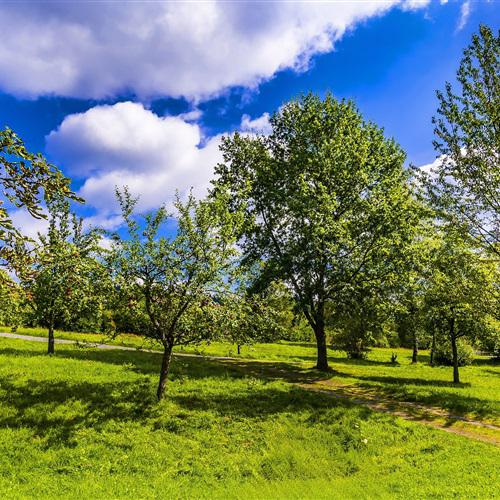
[
  {"x": 414, "y": 356},
  {"x": 454, "y": 351},
  {"x": 319, "y": 333},
  {"x": 51, "y": 343},
  {"x": 165, "y": 367},
  {"x": 433, "y": 347}
]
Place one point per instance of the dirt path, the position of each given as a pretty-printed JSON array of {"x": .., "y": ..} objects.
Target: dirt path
[
  {"x": 32, "y": 338},
  {"x": 435, "y": 417}
]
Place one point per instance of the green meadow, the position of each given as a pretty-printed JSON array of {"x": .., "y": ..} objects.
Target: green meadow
[{"x": 85, "y": 423}]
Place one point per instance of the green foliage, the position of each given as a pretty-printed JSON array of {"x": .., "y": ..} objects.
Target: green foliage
[
  {"x": 443, "y": 355},
  {"x": 10, "y": 300},
  {"x": 467, "y": 187},
  {"x": 326, "y": 203},
  {"x": 26, "y": 179},
  {"x": 248, "y": 319},
  {"x": 63, "y": 282},
  {"x": 171, "y": 285},
  {"x": 361, "y": 323},
  {"x": 463, "y": 292},
  {"x": 489, "y": 341}
]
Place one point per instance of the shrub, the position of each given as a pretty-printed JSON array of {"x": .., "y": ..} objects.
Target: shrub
[{"x": 443, "y": 355}]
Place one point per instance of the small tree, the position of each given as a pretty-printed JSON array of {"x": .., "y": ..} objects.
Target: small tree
[
  {"x": 462, "y": 293},
  {"x": 326, "y": 203},
  {"x": 411, "y": 286},
  {"x": 467, "y": 183},
  {"x": 172, "y": 284},
  {"x": 361, "y": 322},
  {"x": 62, "y": 277},
  {"x": 254, "y": 317}
]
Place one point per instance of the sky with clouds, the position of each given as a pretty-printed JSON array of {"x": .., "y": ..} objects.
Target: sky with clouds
[{"x": 140, "y": 93}]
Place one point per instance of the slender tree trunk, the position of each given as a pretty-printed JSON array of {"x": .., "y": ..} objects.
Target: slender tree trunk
[
  {"x": 51, "y": 342},
  {"x": 433, "y": 347},
  {"x": 165, "y": 368},
  {"x": 414, "y": 356},
  {"x": 454, "y": 351}
]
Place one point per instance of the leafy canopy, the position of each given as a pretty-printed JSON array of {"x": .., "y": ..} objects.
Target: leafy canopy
[
  {"x": 467, "y": 128},
  {"x": 325, "y": 200}
]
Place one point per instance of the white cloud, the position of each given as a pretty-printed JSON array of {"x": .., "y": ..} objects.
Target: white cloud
[
  {"x": 128, "y": 145},
  {"x": 465, "y": 11},
  {"x": 259, "y": 125},
  {"x": 27, "y": 224},
  {"x": 196, "y": 50},
  {"x": 431, "y": 169}
]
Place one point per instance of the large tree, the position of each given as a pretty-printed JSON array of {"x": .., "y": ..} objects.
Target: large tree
[
  {"x": 326, "y": 203},
  {"x": 173, "y": 285},
  {"x": 466, "y": 186}
]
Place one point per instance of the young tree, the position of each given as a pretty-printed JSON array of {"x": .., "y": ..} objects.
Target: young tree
[
  {"x": 62, "y": 277},
  {"x": 412, "y": 284},
  {"x": 325, "y": 198},
  {"x": 467, "y": 128},
  {"x": 172, "y": 284},
  {"x": 26, "y": 179},
  {"x": 254, "y": 317},
  {"x": 360, "y": 323},
  {"x": 463, "y": 292}
]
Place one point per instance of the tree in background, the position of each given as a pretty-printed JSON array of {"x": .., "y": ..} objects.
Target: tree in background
[
  {"x": 62, "y": 278},
  {"x": 412, "y": 284},
  {"x": 363, "y": 320},
  {"x": 251, "y": 317},
  {"x": 466, "y": 188},
  {"x": 462, "y": 294},
  {"x": 10, "y": 300},
  {"x": 26, "y": 179},
  {"x": 326, "y": 203},
  {"x": 171, "y": 284}
]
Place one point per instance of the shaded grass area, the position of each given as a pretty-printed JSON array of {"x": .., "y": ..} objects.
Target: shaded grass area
[
  {"x": 85, "y": 423},
  {"x": 477, "y": 396}
]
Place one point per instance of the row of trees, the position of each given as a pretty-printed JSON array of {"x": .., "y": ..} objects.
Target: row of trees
[{"x": 317, "y": 222}]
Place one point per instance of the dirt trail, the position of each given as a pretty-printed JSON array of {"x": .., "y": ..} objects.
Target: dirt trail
[
  {"x": 432, "y": 416},
  {"x": 435, "y": 417}
]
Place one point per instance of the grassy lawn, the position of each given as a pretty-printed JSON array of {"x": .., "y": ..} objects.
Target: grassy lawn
[
  {"x": 85, "y": 423},
  {"x": 477, "y": 397}
]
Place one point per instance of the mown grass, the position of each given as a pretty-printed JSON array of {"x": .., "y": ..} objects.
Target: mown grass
[
  {"x": 84, "y": 423},
  {"x": 477, "y": 397}
]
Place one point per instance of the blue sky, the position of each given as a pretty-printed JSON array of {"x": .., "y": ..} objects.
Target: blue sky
[{"x": 145, "y": 103}]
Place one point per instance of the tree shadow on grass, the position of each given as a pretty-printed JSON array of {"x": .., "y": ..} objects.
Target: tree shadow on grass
[
  {"x": 56, "y": 410},
  {"x": 387, "y": 387},
  {"x": 399, "y": 389},
  {"x": 127, "y": 401},
  {"x": 397, "y": 381}
]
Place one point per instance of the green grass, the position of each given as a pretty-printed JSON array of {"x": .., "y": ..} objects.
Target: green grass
[
  {"x": 84, "y": 423},
  {"x": 476, "y": 397}
]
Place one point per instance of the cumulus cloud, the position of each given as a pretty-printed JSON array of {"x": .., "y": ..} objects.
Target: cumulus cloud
[
  {"x": 101, "y": 49},
  {"x": 128, "y": 145},
  {"x": 259, "y": 125},
  {"x": 27, "y": 224}
]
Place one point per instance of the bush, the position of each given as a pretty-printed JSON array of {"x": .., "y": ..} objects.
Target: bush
[{"x": 443, "y": 355}]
